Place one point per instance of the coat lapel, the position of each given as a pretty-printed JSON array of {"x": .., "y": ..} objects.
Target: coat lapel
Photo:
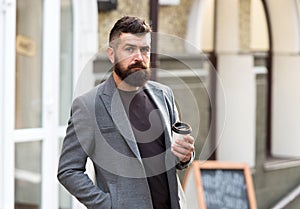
[
  {"x": 158, "y": 97},
  {"x": 114, "y": 106}
]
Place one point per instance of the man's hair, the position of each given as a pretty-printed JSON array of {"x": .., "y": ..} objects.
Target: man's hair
[{"x": 128, "y": 24}]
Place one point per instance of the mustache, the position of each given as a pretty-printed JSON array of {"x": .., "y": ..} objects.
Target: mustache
[{"x": 137, "y": 65}]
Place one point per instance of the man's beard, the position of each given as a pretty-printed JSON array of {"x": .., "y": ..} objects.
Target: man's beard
[{"x": 131, "y": 76}]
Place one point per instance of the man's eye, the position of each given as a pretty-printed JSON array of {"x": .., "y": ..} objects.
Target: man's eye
[
  {"x": 145, "y": 50},
  {"x": 129, "y": 49}
]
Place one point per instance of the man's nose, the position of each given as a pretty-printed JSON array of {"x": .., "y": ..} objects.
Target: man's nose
[{"x": 138, "y": 56}]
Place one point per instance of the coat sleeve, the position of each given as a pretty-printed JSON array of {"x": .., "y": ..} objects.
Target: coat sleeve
[
  {"x": 175, "y": 117},
  {"x": 71, "y": 169}
]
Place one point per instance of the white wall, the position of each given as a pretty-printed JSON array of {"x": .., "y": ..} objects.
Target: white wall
[
  {"x": 285, "y": 108},
  {"x": 285, "y": 122},
  {"x": 236, "y": 83},
  {"x": 285, "y": 26},
  {"x": 237, "y": 76},
  {"x": 227, "y": 31},
  {"x": 200, "y": 26},
  {"x": 85, "y": 45},
  {"x": 237, "y": 143},
  {"x": 259, "y": 40}
]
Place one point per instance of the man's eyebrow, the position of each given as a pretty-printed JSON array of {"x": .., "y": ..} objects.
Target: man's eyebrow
[{"x": 134, "y": 45}]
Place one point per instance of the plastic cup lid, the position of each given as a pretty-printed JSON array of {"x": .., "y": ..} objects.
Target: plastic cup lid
[{"x": 181, "y": 128}]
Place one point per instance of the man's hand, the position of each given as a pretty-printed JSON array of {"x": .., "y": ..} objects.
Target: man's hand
[{"x": 183, "y": 149}]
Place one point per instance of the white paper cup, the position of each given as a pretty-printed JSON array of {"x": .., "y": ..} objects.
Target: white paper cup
[{"x": 180, "y": 129}]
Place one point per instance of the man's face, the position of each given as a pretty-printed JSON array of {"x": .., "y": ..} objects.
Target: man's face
[{"x": 132, "y": 58}]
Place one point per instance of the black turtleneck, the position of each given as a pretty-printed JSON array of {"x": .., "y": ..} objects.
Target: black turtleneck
[{"x": 148, "y": 129}]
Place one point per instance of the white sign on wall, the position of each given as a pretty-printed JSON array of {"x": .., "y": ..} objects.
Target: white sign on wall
[{"x": 169, "y": 2}]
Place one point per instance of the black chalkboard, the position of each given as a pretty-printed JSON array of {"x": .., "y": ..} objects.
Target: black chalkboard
[
  {"x": 220, "y": 185},
  {"x": 224, "y": 189}
]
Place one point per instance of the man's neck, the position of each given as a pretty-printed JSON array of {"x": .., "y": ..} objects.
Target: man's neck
[{"x": 122, "y": 85}]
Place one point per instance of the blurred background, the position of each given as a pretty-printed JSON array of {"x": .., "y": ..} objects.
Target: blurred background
[{"x": 238, "y": 61}]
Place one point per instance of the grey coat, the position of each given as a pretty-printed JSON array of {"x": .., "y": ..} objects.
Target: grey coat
[{"x": 99, "y": 129}]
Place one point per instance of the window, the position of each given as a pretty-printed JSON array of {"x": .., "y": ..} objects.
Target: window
[{"x": 28, "y": 64}]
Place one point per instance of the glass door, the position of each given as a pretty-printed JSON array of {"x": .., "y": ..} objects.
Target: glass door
[
  {"x": 30, "y": 132},
  {"x": 36, "y": 75},
  {"x": 43, "y": 92},
  {"x": 28, "y": 104},
  {"x": 7, "y": 101}
]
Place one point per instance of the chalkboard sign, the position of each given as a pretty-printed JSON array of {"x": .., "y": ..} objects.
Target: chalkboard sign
[{"x": 219, "y": 185}]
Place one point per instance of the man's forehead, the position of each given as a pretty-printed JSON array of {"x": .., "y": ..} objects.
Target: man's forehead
[{"x": 135, "y": 39}]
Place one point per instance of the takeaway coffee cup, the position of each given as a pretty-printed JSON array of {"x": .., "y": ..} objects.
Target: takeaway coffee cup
[{"x": 180, "y": 129}]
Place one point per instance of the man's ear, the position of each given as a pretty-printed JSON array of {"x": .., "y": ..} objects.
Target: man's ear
[{"x": 111, "y": 54}]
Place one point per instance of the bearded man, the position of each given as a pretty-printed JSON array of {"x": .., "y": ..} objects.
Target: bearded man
[{"x": 124, "y": 126}]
